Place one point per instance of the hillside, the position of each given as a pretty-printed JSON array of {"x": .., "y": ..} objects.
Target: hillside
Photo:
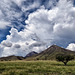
[
  {"x": 13, "y": 57},
  {"x": 50, "y": 53}
]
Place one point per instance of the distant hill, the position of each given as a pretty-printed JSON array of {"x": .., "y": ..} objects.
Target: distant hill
[
  {"x": 50, "y": 53},
  {"x": 12, "y": 57},
  {"x": 30, "y": 54}
]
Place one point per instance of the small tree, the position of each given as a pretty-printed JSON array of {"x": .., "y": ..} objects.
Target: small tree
[{"x": 64, "y": 58}]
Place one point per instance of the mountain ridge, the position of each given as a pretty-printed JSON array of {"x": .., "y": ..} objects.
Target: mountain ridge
[
  {"x": 12, "y": 57},
  {"x": 30, "y": 54},
  {"x": 50, "y": 53}
]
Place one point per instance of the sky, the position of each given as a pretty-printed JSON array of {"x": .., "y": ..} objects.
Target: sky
[{"x": 34, "y": 25}]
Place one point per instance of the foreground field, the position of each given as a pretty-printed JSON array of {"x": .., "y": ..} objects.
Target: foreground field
[{"x": 36, "y": 68}]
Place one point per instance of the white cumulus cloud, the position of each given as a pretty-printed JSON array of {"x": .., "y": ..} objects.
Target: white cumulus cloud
[
  {"x": 71, "y": 46},
  {"x": 44, "y": 28}
]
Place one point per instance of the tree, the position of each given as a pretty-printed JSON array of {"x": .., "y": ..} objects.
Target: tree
[{"x": 64, "y": 58}]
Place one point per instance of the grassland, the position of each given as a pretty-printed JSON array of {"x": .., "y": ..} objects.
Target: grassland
[{"x": 36, "y": 68}]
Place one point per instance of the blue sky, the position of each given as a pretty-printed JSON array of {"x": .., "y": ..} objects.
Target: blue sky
[
  {"x": 13, "y": 19},
  {"x": 34, "y": 25}
]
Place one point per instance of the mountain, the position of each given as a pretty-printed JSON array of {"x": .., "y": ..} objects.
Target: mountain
[
  {"x": 12, "y": 57},
  {"x": 50, "y": 53},
  {"x": 30, "y": 54}
]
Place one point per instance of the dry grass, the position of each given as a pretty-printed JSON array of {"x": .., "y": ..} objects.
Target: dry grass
[{"x": 36, "y": 68}]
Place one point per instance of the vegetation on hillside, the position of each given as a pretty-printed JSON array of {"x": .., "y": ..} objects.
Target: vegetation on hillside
[
  {"x": 12, "y": 57},
  {"x": 50, "y": 53}
]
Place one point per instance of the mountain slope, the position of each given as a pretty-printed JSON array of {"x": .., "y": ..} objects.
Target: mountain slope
[
  {"x": 12, "y": 57},
  {"x": 50, "y": 53},
  {"x": 30, "y": 54}
]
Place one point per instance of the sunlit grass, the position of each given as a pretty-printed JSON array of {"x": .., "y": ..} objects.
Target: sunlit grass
[{"x": 36, "y": 68}]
